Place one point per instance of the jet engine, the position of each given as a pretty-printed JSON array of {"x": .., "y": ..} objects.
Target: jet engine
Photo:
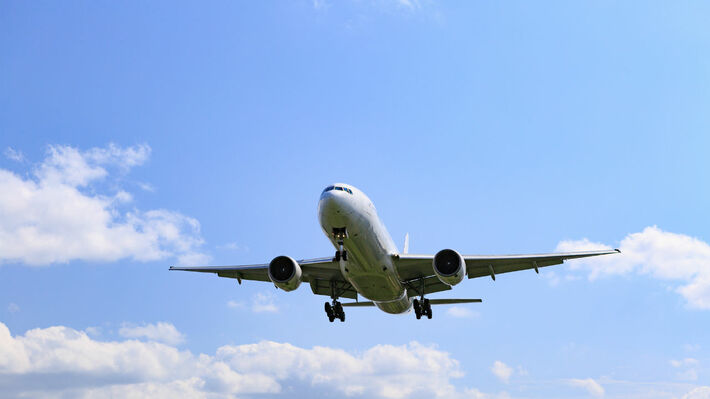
[
  {"x": 285, "y": 273},
  {"x": 449, "y": 266}
]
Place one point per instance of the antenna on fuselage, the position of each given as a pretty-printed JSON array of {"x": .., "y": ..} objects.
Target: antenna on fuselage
[{"x": 406, "y": 244}]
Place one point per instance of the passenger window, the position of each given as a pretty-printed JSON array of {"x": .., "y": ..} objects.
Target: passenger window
[
  {"x": 339, "y": 188},
  {"x": 328, "y": 188}
]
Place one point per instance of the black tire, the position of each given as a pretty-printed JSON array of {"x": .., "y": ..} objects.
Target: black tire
[
  {"x": 337, "y": 256},
  {"x": 338, "y": 309},
  {"x": 345, "y": 256},
  {"x": 417, "y": 309},
  {"x": 331, "y": 318},
  {"x": 428, "y": 313},
  {"x": 328, "y": 309},
  {"x": 342, "y": 317}
]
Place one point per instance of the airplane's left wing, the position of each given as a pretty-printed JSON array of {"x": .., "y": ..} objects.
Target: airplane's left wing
[
  {"x": 323, "y": 274},
  {"x": 416, "y": 267}
]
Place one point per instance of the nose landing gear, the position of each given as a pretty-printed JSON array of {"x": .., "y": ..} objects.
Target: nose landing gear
[{"x": 340, "y": 233}]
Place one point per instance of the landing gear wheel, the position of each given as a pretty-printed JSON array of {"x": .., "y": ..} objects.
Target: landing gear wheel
[
  {"x": 417, "y": 309},
  {"x": 345, "y": 255},
  {"x": 427, "y": 308},
  {"x": 337, "y": 256},
  {"x": 338, "y": 311},
  {"x": 329, "y": 312}
]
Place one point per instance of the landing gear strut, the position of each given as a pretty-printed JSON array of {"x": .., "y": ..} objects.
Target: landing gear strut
[
  {"x": 422, "y": 308},
  {"x": 341, "y": 254},
  {"x": 334, "y": 311},
  {"x": 339, "y": 233}
]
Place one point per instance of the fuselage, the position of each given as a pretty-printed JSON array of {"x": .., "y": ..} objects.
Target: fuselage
[{"x": 369, "y": 266}]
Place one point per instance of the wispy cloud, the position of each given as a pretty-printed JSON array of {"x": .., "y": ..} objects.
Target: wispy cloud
[
  {"x": 660, "y": 254},
  {"x": 502, "y": 371},
  {"x": 13, "y": 308},
  {"x": 687, "y": 368},
  {"x": 14, "y": 154},
  {"x": 58, "y": 215},
  {"x": 264, "y": 302},
  {"x": 588, "y": 384},
  {"x": 160, "y": 332},
  {"x": 461, "y": 312}
]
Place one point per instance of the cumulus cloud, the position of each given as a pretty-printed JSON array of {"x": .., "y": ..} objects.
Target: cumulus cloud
[
  {"x": 502, "y": 371},
  {"x": 663, "y": 255},
  {"x": 589, "y": 384},
  {"x": 160, "y": 332},
  {"x": 57, "y": 214},
  {"x": 63, "y": 362}
]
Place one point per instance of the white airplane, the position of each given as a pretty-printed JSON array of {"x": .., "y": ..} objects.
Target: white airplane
[{"x": 367, "y": 263}]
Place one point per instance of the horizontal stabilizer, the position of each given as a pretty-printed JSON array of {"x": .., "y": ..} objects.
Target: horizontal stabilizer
[
  {"x": 451, "y": 301},
  {"x": 431, "y": 301}
]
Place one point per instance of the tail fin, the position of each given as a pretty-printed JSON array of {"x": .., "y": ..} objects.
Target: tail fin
[{"x": 406, "y": 244}]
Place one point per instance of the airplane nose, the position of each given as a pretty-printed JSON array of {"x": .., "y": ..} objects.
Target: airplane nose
[{"x": 335, "y": 203}]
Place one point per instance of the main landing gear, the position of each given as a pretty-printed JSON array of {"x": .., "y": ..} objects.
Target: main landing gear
[
  {"x": 335, "y": 311},
  {"x": 422, "y": 308}
]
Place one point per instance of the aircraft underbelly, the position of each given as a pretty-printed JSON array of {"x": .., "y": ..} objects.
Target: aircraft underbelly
[{"x": 369, "y": 267}]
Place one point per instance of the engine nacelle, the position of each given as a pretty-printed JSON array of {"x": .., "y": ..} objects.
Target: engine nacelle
[
  {"x": 285, "y": 273},
  {"x": 449, "y": 266}
]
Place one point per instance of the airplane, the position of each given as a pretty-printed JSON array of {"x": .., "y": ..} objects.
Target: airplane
[{"x": 367, "y": 263}]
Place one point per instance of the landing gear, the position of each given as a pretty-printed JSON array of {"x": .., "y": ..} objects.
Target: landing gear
[
  {"x": 339, "y": 233},
  {"x": 422, "y": 308},
  {"x": 334, "y": 311},
  {"x": 342, "y": 254}
]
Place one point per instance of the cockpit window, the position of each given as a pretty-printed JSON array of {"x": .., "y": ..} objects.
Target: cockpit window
[{"x": 338, "y": 188}]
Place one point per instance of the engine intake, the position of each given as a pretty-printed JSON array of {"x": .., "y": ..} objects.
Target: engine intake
[
  {"x": 285, "y": 273},
  {"x": 449, "y": 266}
]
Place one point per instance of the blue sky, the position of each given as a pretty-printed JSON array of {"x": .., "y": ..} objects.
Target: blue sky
[{"x": 141, "y": 135}]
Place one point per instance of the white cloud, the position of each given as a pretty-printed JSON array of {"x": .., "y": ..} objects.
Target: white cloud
[
  {"x": 461, "y": 312},
  {"x": 56, "y": 215},
  {"x": 14, "y": 155},
  {"x": 233, "y": 246},
  {"x": 593, "y": 387},
  {"x": 502, "y": 371},
  {"x": 698, "y": 393},
  {"x": 235, "y": 304},
  {"x": 263, "y": 302},
  {"x": 660, "y": 254},
  {"x": 688, "y": 370},
  {"x": 688, "y": 361},
  {"x": 63, "y": 362},
  {"x": 13, "y": 307},
  {"x": 160, "y": 332}
]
